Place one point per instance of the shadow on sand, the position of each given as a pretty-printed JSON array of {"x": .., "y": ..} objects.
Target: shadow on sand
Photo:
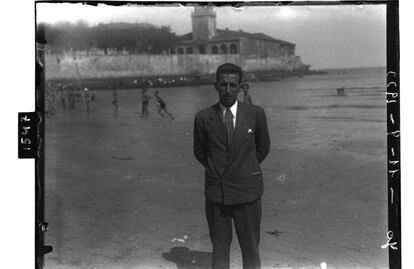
[{"x": 186, "y": 259}]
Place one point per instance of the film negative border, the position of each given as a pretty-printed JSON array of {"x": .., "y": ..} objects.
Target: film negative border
[
  {"x": 40, "y": 225},
  {"x": 31, "y": 125},
  {"x": 393, "y": 237}
]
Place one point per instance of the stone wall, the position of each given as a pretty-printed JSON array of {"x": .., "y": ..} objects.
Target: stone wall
[{"x": 107, "y": 66}]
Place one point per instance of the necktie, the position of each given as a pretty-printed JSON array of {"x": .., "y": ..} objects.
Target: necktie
[{"x": 228, "y": 120}]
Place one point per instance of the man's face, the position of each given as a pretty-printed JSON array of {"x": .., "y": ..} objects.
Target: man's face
[{"x": 228, "y": 87}]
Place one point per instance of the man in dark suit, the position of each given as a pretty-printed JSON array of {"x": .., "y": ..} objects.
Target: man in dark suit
[{"x": 231, "y": 139}]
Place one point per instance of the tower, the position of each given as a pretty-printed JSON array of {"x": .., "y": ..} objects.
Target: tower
[{"x": 203, "y": 22}]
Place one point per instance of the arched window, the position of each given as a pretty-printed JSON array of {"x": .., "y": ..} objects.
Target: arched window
[
  {"x": 233, "y": 49},
  {"x": 223, "y": 49},
  {"x": 180, "y": 51},
  {"x": 214, "y": 49},
  {"x": 189, "y": 50},
  {"x": 172, "y": 51},
  {"x": 201, "y": 49}
]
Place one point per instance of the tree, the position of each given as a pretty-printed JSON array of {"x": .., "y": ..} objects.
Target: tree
[
  {"x": 133, "y": 37},
  {"x": 102, "y": 37}
]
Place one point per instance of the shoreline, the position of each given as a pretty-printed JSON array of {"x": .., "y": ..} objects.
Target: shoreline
[{"x": 178, "y": 80}]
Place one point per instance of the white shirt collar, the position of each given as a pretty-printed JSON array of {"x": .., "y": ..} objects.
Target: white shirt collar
[{"x": 233, "y": 110}]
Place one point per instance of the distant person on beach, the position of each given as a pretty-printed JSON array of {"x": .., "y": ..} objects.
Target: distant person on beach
[
  {"x": 62, "y": 95},
  {"x": 77, "y": 95},
  {"x": 115, "y": 101},
  {"x": 71, "y": 97},
  {"x": 246, "y": 96},
  {"x": 162, "y": 107},
  {"x": 145, "y": 103},
  {"x": 93, "y": 98},
  {"x": 87, "y": 100},
  {"x": 231, "y": 139}
]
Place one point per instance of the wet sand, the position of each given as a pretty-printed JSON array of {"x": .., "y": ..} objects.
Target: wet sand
[{"x": 119, "y": 190}]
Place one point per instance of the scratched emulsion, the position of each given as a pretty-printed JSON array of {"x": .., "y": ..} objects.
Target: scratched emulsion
[{"x": 120, "y": 190}]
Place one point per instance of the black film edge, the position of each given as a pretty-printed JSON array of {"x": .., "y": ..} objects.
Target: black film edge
[{"x": 27, "y": 135}]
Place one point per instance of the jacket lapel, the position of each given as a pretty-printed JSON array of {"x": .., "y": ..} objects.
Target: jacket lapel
[{"x": 216, "y": 124}]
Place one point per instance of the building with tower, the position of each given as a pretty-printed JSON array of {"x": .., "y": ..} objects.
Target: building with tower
[
  {"x": 205, "y": 38},
  {"x": 196, "y": 54}
]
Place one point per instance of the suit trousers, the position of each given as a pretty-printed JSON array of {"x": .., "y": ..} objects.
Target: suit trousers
[{"x": 246, "y": 217}]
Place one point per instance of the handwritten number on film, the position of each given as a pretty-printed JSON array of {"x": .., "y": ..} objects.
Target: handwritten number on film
[
  {"x": 392, "y": 85},
  {"x": 25, "y": 130},
  {"x": 390, "y": 244},
  {"x": 392, "y": 98}
]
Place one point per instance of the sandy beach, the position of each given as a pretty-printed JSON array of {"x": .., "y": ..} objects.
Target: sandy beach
[{"x": 128, "y": 193}]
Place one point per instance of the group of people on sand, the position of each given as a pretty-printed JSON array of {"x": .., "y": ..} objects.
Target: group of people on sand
[
  {"x": 145, "y": 98},
  {"x": 67, "y": 97}
]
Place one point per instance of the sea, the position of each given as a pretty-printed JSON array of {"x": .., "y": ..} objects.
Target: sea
[{"x": 362, "y": 87}]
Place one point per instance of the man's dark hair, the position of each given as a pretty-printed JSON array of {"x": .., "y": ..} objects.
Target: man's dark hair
[{"x": 229, "y": 68}]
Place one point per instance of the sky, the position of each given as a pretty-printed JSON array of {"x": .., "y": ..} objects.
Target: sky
[{"x": 325, "y": 36}]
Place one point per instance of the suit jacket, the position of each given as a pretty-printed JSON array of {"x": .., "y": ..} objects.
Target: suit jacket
[{"x": 232, "y": 176}]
